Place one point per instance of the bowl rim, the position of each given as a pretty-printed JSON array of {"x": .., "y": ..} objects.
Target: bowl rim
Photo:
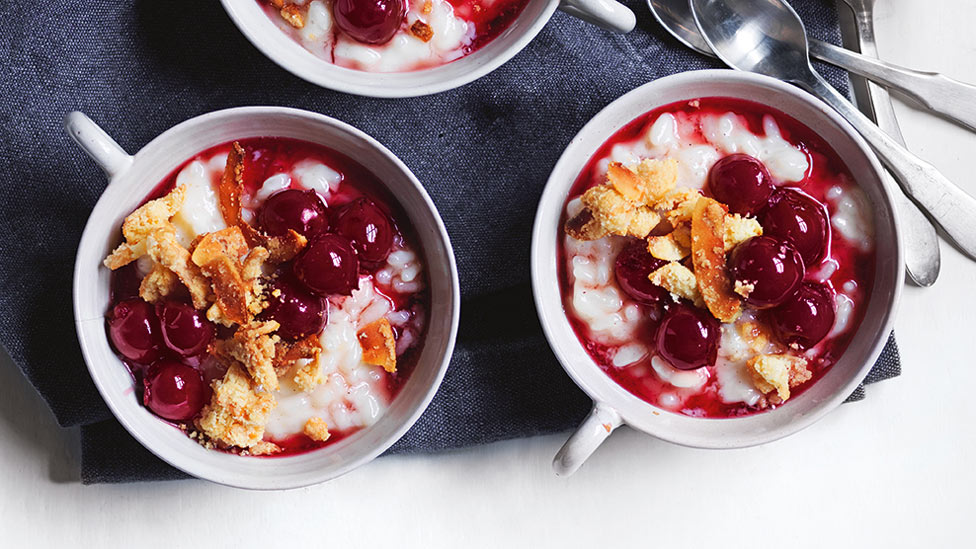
[
  {"x": 305, "y": 65},
  {"x": 243, "y": 480},
  {"x": 603, "y": 390}
]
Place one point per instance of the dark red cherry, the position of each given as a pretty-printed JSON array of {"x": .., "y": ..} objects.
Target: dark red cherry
[
  {"x": 301, "y": 211},
  {"x": 328, "y": 266},
  {"x": 766, "y": 271},
  {"x": 297, "y": 311},
  {"x": 125, "y": 283},
  {"x": 632, "y": 267},
  {"x": 134, "y": 331},
  {"x": 741, "y": 182},
  {"x": 687, "y": 337},
  {"x": 369, "y": 229},
  {"x": 185, "y": 330},
  {"x": 174, "y": 391},
  {"x": 799, "y": 218},
  {"x": 806, "y": 317},
  {"x": 370, "y": 21}
]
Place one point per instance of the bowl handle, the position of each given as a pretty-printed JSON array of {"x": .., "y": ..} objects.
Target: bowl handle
[
  {"x": 606, "y": 14},
  {"x": 93, "y": 139},
  {"x": 588, "y": 437}
]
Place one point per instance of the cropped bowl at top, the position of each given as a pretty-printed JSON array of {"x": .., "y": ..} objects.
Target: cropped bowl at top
[
  {"x": 613, "y": 404},
  {"x": 132, "y": 178},
  {"x": 251, "y": 19}
]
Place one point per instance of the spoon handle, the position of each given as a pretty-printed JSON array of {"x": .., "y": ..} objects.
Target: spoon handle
[
  {"x": 950, "y": 207},
  {"x": 951, "y": 98}
]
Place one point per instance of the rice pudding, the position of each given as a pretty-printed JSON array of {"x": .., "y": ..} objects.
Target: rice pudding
[
  {"x": 268, "y": 297},
  {"x": 717, "y": 257},
  {"x": 392, "y": 35}
]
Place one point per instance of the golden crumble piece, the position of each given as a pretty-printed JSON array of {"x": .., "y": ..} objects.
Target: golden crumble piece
[
  {"x": 667, "y": 248},
  {"x": 618, "y": 215},
  {"x": 379, "y": 345},
  {"x": 218, "y": 255},
  {"x": 678, "y": 206},
  {"x": 309, "y": 376},
  {"x": 138, "y": 225},
  {"x": 679, "y": 280},
  {"x": 278, "y": 3},
  {"x": 708, "y": 257},
  {"x": 682, "y": 235},
  {"x": 288, "y": 353},
  {"x": 293, "y": 15},
  {"x": 645, "y": 183},
  {"x": 236, "y": 415},
  {"x": 316, "y": 429},
  {"x": 778, "y": 373},
  {"x": 153, "y": 214},
  {"x": 163, "y": 248},
  {"x": 253, "y": 345},
  {"x": 658, "y": 177},
  {"x": 757, "y": 337},
  {"x": 263, "y": 448},
  {"x": 583, "y": 226},
  {"x": 428, "y": 7},
  {"x": 743, "y": 289},
  {"x": 422, "y": 30},
  {"x": 285, "y": 247},
  {"x": 158, "y": 284},
  {"x": 252, "y": 273},
  {"x": 738, "y": 229}
]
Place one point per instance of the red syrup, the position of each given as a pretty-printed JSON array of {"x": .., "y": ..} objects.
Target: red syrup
[
  {"x": 490, "y": 18},
  {"x": 851, "y": 264},
  {"x": 264, "y": 157}
]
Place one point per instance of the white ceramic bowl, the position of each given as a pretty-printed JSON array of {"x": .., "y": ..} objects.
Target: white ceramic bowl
[
  {"x": 614, "y": 405},
  {"x": 131, "y": 178},
  {"x": 250, "y": 18}
]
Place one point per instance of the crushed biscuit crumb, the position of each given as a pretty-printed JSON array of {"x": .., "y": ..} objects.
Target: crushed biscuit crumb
[
  {"x": 779, "y": 373},
  {"x": 293, "y": 15},
  {"x": 708, "y": 258},
  {"x": 316, "y": 429},
  {"x": 679, "y": 280},
  {"x": 379, "y": 345},
  {"x": 422, "y": 30},
  {"x": 237, "y": 414},
  {"x": 667, "y": 248}
]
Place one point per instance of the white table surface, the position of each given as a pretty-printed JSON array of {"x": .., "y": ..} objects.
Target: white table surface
[{"x": 893, "y": 470}]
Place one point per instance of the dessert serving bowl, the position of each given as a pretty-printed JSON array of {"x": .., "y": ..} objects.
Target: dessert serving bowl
[
  {"x": 675, "y": 393},
  {"x": 133, "y": 178},
  {"x": 251, "y": 18}
]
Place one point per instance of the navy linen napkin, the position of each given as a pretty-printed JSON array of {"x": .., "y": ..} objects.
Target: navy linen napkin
[{"x": 483, "y": 151}]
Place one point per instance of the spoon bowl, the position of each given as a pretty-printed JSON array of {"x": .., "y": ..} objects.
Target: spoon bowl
[{"x": 768, "y": 37}]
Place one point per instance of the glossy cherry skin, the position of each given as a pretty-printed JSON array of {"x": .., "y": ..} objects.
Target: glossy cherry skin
[
  {"x": 632, "y": 267},
  {"x": 174, "y": 391},
  {"x": 687, "y": 337},
  {"x": 134, "y": 330},
  {"x": 806, "y": 317},
  {"x": 185, "y": 330},
  {"x": 741, "y": 182},
  {"x": 298, "y": 312},
  {"x": 301, "y": 211},
  {"x": 799, "y": 218},
  {"x": 328, "y": 265},
  {"x": 370, "y": 21},
  {"x": 369, "y": 229},
  {"x": 772, "y": 267}
]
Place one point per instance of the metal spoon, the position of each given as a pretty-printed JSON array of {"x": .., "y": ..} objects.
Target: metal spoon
[
  {"x": 950, "y": 98},
  {"x": 768, "y": 37},
  {"x": 922, "y": 255}
]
